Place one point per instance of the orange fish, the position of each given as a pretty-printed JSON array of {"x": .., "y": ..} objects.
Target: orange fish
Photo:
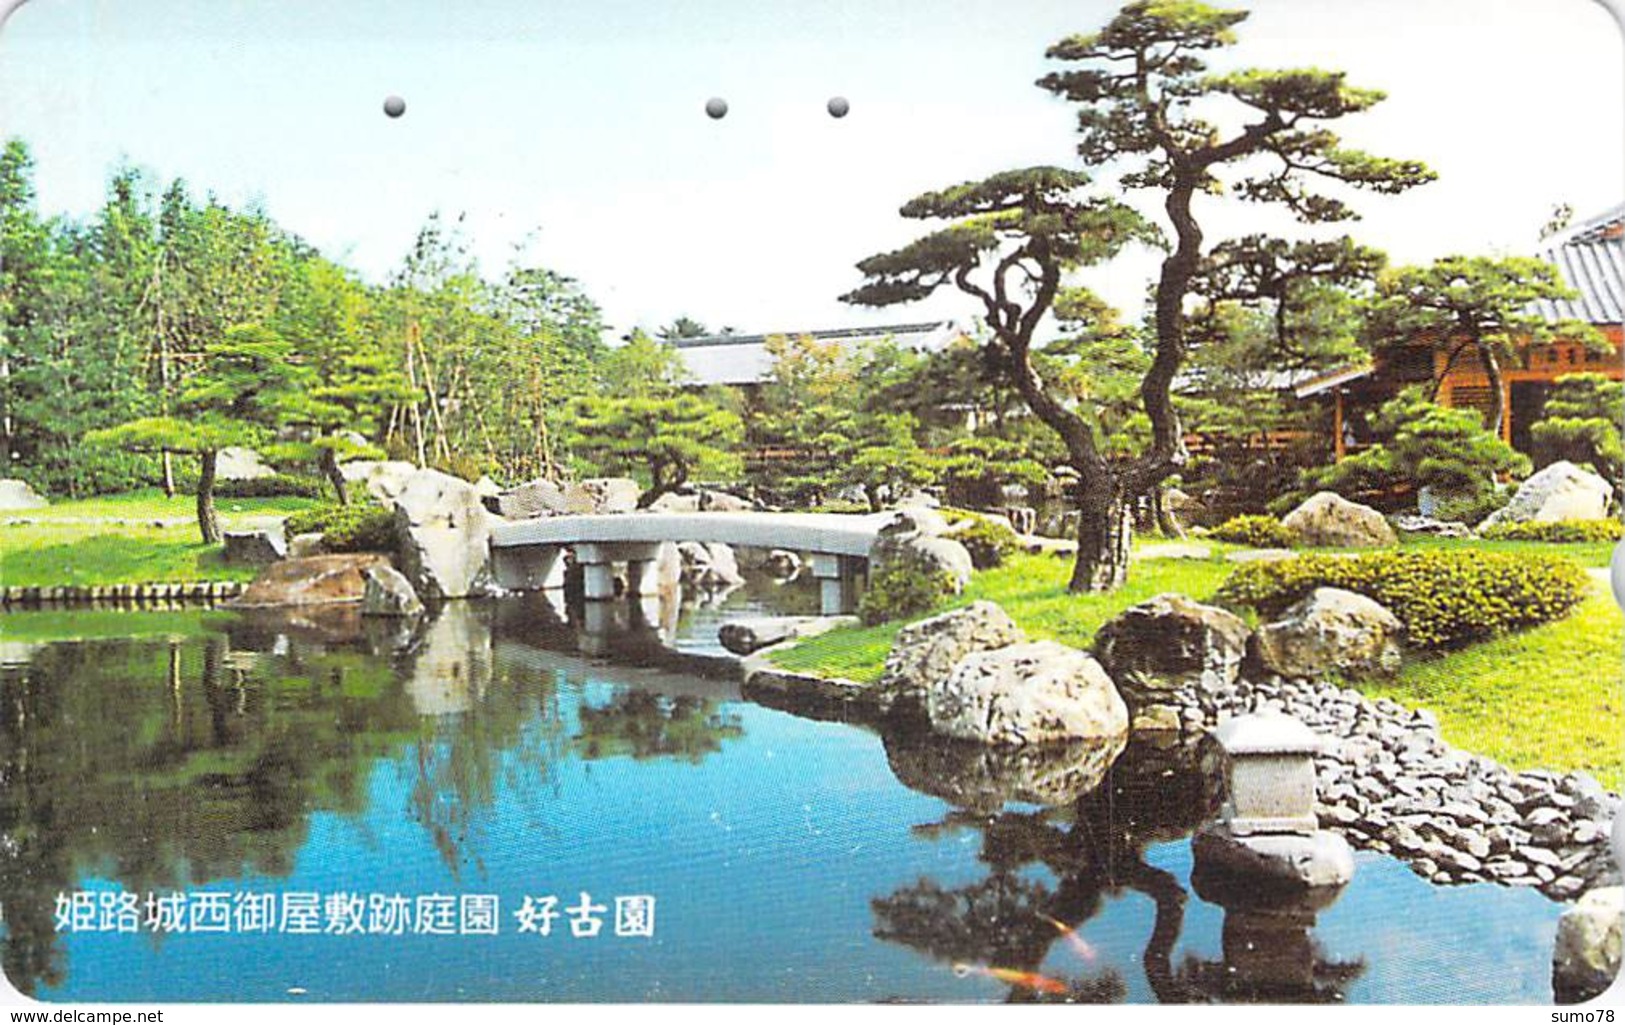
[
  {"x": 1077, "y": 943},
  {"x": 1031, "y": 980}
]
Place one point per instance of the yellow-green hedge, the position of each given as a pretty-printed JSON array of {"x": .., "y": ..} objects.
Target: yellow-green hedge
[
  {"x": 1445, "y": 597},
  {"x": 1255, "y": 531},
  {"x": 1555, "y": 531}
]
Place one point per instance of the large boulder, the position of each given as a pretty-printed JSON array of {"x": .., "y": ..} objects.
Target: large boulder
[
  {"x": 1163, "y": 648},
  {"x": 722, "y": 501},
  {"x": 17, "y": 494},
  {"x": 383, "y": 480},
  {"x": 388, "y": 593},
  {"x": 602, "y": 495},
  {"x": 1037, "y": 693},
  {"x": 1328, "y": 520},
  {"x": 236, "y": 463},
  {"x": 540, "y": 497},
  {"x": 1586, "y": 956},
  {"x": 444, "y": 534},
  {"x": 318, "y": 580},
  {"x": 1562, "y": 491},
  {"x": 926, "y": 652},
  {"x": 1331, "y": 630},
  {"x": 253, "y": 547}
]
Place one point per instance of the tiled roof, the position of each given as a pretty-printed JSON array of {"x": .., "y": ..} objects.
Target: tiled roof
[
  {"x": 1590, "y": 257},
  {"x": 744, "y": 359}
]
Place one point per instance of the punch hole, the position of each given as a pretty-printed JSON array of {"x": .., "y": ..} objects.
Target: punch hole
[
  {"x": 716, "y": 108},
  {"x": 837, "y": 106},
  {"x": 394, "y": 106}
]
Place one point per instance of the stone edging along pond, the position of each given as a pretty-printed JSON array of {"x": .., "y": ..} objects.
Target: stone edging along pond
[
  {"x": 1385, "y": 777},
  {"x": 120, "y": 594}
]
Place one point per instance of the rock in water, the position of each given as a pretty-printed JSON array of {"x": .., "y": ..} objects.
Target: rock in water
[
  {"x": 318, "y": 580},
  {"x": 17, "y": 494},
  {"x": 1562, "y": 491},
  {"x": 444, "y": 534},
  {"x": 926, "y": 652},
  {"x": 1586, "y": 957},
  {"x": 1331, "y": 630},
  {"x": 1328, "y": 520},
  {"x": 1036, "y": 693},
  {"x": 743, "y": 636},
  {"x": 388, "y": 593}
]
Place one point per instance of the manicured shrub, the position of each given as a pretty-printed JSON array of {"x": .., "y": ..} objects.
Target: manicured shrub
[
  {"x": 904, "y": 586},
  {"x": 278, "y": 486},
  {"x": 1556, "y": 532},
  {"x": 1255, "y": 531},
  {"x": 359, "y": 527},
  {"x": 989, "y": 542},
  {"x": 1445, "y": 597}
]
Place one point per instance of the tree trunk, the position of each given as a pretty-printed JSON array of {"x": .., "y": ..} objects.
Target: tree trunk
[
  {"x": 1492, "y": 372},
  {"x": 208, "y": 521},
  {"x": 1105, "y": 531},
  {"x": 335, "y": 477}
]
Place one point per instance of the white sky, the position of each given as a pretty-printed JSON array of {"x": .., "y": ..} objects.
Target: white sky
[{"x": 585, "y": 119}]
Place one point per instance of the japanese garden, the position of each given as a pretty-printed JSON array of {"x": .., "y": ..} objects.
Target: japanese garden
[{"x": 425, "y": 636}]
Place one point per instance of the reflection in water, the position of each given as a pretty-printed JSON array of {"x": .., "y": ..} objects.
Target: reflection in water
[
  {"x": 1093, "y": 837},
  {"x": 477, "y": 751},
  {"x": 645, "y": 725}
]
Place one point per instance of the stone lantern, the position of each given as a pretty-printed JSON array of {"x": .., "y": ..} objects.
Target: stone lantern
[
  {"x": 1270, "y": 775},
  {"x": 1266, "y": 843},
  {"x": 1266, "y": 861}
]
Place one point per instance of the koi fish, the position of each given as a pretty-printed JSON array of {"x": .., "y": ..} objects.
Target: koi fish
[
  {"x": 1011, "y": 976},
  {"x": 1079, "y": 945}
]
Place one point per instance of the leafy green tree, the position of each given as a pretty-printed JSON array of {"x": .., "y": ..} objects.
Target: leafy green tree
[
  {"x": 666, "y": 440},
  {"x": 1479, "y": 304},
  {"x": 880, "y": 455},
  {"x": 1581, "y": 423},
  {"x": 340, "y": 416},
  {"x": 239, "y": 393},
  {"x": 1431, "y": 446},
  {"x": 1145, "y": 101},
  {"x": 642, "y": 367}
]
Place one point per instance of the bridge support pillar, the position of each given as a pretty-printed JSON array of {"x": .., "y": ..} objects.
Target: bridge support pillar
[
  {"x": 598, "y": 567},
  {"x": 837, "y": 583},
  {"x": 531, "y": 568}
]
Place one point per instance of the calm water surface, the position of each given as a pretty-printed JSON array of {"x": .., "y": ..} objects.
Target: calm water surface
[{"x": 790, "y": 860}]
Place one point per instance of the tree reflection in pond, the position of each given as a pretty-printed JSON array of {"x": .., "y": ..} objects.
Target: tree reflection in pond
[
  {"x": 168, "y": 765},
  {"x": 645, "y": 725},
  {"x": 1094, "y": 846}
]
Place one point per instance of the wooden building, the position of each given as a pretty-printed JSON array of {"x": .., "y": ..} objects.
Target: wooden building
[{"x": 1590, "y": 259}]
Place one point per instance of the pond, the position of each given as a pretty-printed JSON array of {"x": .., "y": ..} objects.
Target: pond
[{"x": 211, "y": 807}]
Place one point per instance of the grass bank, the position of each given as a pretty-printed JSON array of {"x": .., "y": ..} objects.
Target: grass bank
[
  {"x": 1546, "y": 697},
  {"x": 140, "y": 537}
]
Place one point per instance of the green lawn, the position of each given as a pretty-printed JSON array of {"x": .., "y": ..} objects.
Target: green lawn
[
  {"x": 1547, "y": 697},
  {"x": 1032, "y": 588},
  {"x": 83, "y": 543}
]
